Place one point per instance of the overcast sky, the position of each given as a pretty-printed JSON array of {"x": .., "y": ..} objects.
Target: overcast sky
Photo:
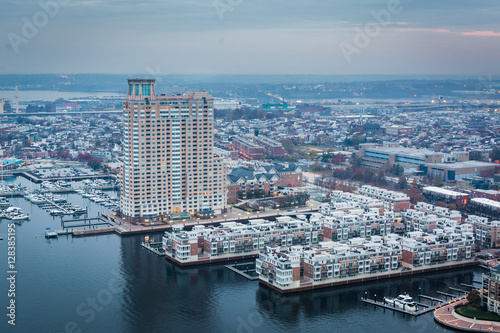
[{"x": 251, "y": 36}]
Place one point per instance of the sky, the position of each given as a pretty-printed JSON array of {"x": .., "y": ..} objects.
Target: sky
[{"x": 250, "y": 36}]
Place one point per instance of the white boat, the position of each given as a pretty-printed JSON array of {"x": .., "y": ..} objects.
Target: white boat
[
  {"x": 404, "y": 302},
  {"x": 50, "y": 234},
  {"x": 57, "y": 212},
  {"x": 38, "y": 200},
  {"x": 18, "y": 217},
  {"x": 4, "y": 202}
]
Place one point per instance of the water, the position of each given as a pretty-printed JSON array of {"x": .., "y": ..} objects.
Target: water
[
  {"x": 111, "y": 284},
  {"x": 50, "y": 95}
]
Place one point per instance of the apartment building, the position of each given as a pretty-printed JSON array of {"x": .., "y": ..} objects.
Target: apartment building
[
  {"x": 376, "y": 156},
  {"x": 341, "y": 200},
  {"x": 169, "y": 162},
  {"x": 232, "y": 240},
  {"x": 272, "y": 147},
  {"x": 438, "y": 211},
  {"x": 449, "y": 196},
  {"x": 290, "y": 174},
  {"x": 486, "y": 207},
  {"x": 487, "y": 232},
  {"x": 342, "y": 226},
  {"x": 328, "y": 263},
  {"x": 421, "y": 249},
  {"x": 491, "y": 289},
  {"x": 246, "y": 182},
  {"x": 393, "y": 201},
  {"x": 247, "y": 149}
]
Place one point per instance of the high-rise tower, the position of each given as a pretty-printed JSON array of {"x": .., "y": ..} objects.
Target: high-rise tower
[{"x": 169, "y": 164}]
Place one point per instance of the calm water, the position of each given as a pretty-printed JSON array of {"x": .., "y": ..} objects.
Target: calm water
[
  {"x": 111, "y": 284},
  {"x": 50, "y": 95}
]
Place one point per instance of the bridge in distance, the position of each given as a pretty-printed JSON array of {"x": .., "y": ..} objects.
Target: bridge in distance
[{"x": 76, "y": 113}]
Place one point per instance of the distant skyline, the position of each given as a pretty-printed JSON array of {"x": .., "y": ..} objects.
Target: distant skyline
[{"x": 250, "y": 37}]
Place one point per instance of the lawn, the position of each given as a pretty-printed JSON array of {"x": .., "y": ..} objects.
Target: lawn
[{"x": 478, "y": 313}]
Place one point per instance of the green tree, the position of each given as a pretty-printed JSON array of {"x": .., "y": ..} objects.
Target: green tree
[
  {"x": 402, "y": 183},
  {"x": 438, "y": 181},
  {"x": 495, "y": 154},
  {"x": 474, "y": 298}
]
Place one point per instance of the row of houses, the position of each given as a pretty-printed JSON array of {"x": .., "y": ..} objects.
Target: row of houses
[
  {"x": 262, "y": 181},
  {"x": 334, "y": 263},
  {"x": 232, "y": 240},
  {"x": 393, "y": 201}
]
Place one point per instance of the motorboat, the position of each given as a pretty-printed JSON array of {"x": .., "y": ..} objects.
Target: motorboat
[
  {"x": 404, "y": 302},
  {"x": 15, "y": 214},
  {"x": 4, "y": 202},
  {"x": 18, "y": 217},
  {"x": 57, "y": 212}
]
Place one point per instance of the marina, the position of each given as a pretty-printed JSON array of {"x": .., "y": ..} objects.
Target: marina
[
  {"x": 424, "y": 308},
  {"x": 215, "y": 275}
]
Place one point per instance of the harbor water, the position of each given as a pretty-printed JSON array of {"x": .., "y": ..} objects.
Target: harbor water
[{"x": 112, "y": 284}]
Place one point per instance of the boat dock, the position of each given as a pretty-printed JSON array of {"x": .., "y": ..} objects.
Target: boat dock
[
  {"x": 423, "y": 308},
  {"x": 87, "y": 222},
  {"x": 243, "y": 272},
  {"x": 93, "y": 231},
  {"x": 11, "y": 194},
  {"x": 155, "y": 247},
  {"x": 35, "y": 179}
]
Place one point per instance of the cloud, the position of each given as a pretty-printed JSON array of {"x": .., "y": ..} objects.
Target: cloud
[
  {"x": 422, "y": 30},
  {"x": 487, "y": 33}
]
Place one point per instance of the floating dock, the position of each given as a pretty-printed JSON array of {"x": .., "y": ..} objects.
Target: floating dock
[
  {"x": 244, "y": 273},
  {"x": 93, "y": 231},
  {"x": 424, "y": 307},
  {"x": 156, "y": 248}
]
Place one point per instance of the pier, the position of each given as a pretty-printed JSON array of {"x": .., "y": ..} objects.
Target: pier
[
  {"x": 155, "y": 247},
  {"x": 98, "y": 221},
  {"x": 93, "y": 232},
  {"x": 35, "y": 179},
  {"x": 12, "y": 194},
  {"x": 425, "y": 308},
  {"x": 243, "y": 273}
]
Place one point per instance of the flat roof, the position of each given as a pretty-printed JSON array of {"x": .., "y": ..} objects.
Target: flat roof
[
  {"x": 487, "y": 202},
  {"x": 461, "y": 165},
  {"x": 410, "y": 152},
  {"x": 443, "y": 191}
]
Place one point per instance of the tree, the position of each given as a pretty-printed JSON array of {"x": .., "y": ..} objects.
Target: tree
[
  {"x": 495, "y": 154},
  {"x": 438, "y": 181},
  {"x": 474, "y": 298},
  {"x": 402, "y": 183},
  {"x": 475, "y": 155},
  {"x": 415, "y": 194}
]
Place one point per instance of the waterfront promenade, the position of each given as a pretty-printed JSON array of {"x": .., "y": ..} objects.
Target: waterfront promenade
[
  {"x": 124, "y": 227},
  {"x": 447, "y": 316}
]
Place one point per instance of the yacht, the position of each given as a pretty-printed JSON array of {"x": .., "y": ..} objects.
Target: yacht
[
  {"x": 15, "y": 214},
  {"x": 4, "y": 202},
  {"x": 18, "y": 217},
  {"x": 57, "y": 212},
  {"x": 404, "y": 302}
]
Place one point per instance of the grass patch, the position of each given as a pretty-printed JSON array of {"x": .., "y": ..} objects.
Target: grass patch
[{"x": 471, "y": 311}]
